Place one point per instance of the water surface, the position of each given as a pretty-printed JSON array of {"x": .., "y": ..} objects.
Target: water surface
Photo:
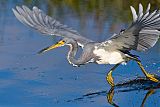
[{"x": 31, "y": 80}]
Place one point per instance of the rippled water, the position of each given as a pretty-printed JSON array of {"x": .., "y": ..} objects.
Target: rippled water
[{"x": 31, "y": 80}]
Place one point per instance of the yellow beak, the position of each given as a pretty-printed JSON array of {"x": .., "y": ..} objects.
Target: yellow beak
[{"x": 59, "y": 44}]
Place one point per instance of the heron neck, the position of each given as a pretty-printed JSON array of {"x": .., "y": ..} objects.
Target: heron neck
[{"x": 72, "y": 53}]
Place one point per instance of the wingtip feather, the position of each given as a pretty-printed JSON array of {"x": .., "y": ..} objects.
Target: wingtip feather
[
  {"x": 140, "y": 8},
  {"x": 134, "y": 14},
  {"x": 148, "y": 7}
]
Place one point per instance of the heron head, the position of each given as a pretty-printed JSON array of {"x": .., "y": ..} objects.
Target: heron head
[{"x": 64, "y": 41}]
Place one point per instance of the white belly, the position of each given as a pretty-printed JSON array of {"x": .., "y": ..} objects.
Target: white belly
[{"x": 106, "y": 57}]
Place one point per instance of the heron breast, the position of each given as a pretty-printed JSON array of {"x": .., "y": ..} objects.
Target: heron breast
[{"x": 106, "y": 57}]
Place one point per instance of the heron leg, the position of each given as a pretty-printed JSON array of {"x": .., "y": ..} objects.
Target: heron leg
[
  {"x": 149, "y": 76},
  {"x": 109, "y": 77}
]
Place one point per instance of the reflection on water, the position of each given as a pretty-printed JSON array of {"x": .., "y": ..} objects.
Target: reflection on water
[
  {"x": 48, "y": 80},
  {"x": 138, "y": 84},
  {"x": 110, "y": 96}
]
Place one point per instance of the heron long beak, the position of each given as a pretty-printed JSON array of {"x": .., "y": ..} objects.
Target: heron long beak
[{"x": 59, "y": 44}]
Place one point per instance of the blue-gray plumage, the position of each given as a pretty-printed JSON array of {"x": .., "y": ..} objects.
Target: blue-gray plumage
[{"x": 142, "y": 34}]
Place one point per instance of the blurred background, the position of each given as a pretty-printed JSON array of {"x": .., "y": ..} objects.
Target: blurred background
[{"x": 31, "y": 80}]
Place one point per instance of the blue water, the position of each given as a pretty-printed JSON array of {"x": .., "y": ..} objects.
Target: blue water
[{"x": 28, "y": 79}]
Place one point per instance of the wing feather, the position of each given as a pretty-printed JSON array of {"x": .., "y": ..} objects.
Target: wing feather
[
  {"x": 45, "y": 24},
  {"x": 142, "y": 34}
]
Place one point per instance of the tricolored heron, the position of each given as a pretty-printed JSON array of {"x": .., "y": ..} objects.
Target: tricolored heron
[{"x": 141, "y": 35}]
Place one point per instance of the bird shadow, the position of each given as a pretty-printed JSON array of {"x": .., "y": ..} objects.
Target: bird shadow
[{"x": 137, "y": 84}]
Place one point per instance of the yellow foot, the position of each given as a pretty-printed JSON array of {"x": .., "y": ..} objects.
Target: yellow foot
[
  {"x": 152, "y": 77},
  {"x": 110, "y": 79}
]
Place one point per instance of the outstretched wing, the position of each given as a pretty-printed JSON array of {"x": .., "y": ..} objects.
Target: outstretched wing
[
  {"x": 45, "y": 24},
  {"x": 143, "y": 32}
]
